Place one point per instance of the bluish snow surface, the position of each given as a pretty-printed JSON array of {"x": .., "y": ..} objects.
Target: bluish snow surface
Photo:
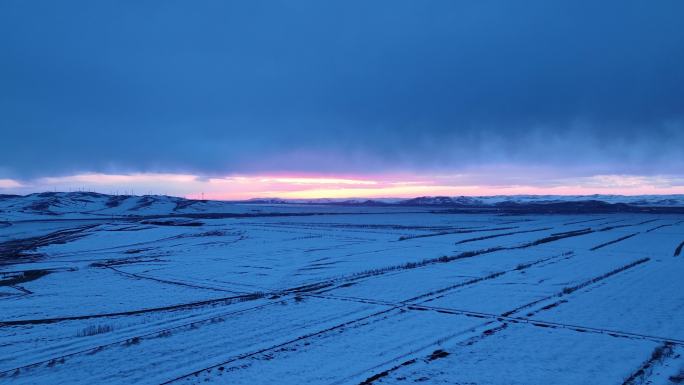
[{"x": 351, "y": 294}]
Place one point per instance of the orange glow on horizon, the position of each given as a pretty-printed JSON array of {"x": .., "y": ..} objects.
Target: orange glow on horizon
[{"x": 240, "y": 187}]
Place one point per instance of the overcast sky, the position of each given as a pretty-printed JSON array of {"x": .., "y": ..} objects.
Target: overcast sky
[{"x": 545, "y": 90}]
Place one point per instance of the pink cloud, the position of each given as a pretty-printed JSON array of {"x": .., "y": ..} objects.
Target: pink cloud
[
  {"x": 345, "y": 186},
  {"x": 10, "y": 184}
]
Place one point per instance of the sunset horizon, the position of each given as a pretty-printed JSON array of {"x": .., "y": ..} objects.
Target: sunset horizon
[
  {"x": 316, "y": 186},
  {"x": 341, "y": 192}
]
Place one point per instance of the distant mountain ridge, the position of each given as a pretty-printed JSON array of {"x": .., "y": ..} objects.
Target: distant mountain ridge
[
  {"x": 485, "y": 201},
  {"x": 96, "y": 205}
]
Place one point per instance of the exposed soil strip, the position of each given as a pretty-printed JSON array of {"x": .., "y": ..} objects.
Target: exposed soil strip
[
  {"x": 613, "y": 241},
  {"x": 588, "y": 220},
  {"x": 407, "y": 237},
  {"x": 659, "y": 354},
  {"x": 11, "y": 279},
  {"x": 678, "y": 250},
  {"x": 572, "y": 232},
  {"x": 575, "y": 233},
  {"x": 553, "y": 238},
  {"x": 661, "y": 226},
  {"x": 501, "y": 235},
  {"x": 645, "y": 222},
  {"x": 608, "y": 228},
  {"x": 17, "y": 250},
  {"x": 385, "y": 373}
]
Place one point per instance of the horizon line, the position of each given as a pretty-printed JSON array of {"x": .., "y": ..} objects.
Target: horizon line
[{"x": 341, "y": 199}]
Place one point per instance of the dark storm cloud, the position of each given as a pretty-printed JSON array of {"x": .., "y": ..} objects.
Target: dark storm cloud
[{"x": 220, "y": 87}]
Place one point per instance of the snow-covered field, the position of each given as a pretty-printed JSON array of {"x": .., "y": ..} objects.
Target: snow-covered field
[{"x": 301, "y": 294}]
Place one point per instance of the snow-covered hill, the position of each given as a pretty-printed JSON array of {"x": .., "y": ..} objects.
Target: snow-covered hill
[
  {"x": 93, "y": 205},
  {"x": 79, "y": 204}
]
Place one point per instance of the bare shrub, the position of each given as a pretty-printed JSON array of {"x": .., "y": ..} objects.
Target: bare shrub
[{"x": 94, "y": 330}]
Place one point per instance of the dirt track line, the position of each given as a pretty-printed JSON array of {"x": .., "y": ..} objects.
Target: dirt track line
[
  {"x": 171, "y": 282},
  {"x": 42, "y": 321}
]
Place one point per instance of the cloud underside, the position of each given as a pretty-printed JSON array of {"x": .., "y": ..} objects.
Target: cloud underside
[{"x": 336, "y": 88}]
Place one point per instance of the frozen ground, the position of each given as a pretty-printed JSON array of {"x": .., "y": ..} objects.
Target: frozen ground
[{"x": 341, "y": 295}]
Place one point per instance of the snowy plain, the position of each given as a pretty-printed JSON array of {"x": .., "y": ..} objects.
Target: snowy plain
[{"x": 154, "y": 290}]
